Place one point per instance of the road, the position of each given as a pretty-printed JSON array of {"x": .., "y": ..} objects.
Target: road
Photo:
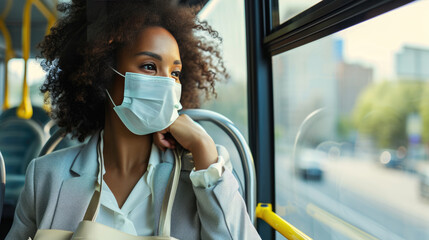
[{"x": 356, "y": 199}]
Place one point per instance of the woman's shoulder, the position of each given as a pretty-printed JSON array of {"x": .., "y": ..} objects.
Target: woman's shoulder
[{"x": 57, "y": 160}]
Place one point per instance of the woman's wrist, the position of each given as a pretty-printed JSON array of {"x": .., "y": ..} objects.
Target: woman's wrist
[{"x": 204, "y": 153}]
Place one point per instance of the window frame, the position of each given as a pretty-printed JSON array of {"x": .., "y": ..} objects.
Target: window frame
[
  {"x": 265, "y": 38},
  {"x": 323, "y": 19}
]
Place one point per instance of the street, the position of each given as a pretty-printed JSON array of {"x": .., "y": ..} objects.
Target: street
[{"x": 355, "y": 199}]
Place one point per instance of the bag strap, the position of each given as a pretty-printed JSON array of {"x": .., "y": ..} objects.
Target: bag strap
[{"x": 167, "y": 203}]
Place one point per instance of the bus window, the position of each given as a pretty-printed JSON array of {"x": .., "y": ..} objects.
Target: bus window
[
  {"x": 35, "y": 79},
  {"x": 227, "y": 17},
  {"x": 351, "y": 129}
]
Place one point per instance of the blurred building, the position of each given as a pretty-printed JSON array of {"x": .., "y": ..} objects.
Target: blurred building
[
  {"x": 305, "y": 80},
  {"x": 352, "y": 80},
  {"x": 312, "y": 77},
  {"x": 412, "y": 63}
]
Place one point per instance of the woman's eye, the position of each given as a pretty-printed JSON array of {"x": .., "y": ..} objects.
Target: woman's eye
[
  {"x": 149, "y": 66},
  {"x": 176, "y": 74}
]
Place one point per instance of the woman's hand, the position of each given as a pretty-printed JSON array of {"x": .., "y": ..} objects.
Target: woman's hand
[{"x": 191, "y": 137}]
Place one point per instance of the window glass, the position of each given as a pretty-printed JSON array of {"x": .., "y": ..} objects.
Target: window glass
[
  {"x": 289, "y": 9},
  {"x": 352, "y": 130},
  {"x": 227, "y": 17},
  {"x": 35, "y": 78}
]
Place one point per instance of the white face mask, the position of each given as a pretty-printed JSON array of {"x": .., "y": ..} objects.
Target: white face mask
[{"x": 150, "y": 104}]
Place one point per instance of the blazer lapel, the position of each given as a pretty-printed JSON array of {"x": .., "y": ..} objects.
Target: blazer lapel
[
  {"x": 77, "y": 190},
  {"x": 73, "y": 200}
]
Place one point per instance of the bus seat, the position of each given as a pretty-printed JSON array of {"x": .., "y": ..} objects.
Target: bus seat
[
  {"x": 58, "y": 140},
  {"x": 20, "y": 142},
  {"x": 2, "y": 183},
  {"x": 40, "y": 116},
  {"x": 223, "y": 132}
]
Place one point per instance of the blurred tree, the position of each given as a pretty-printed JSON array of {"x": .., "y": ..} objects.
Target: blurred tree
[
  {"x": 424, "y": 111},
  {"x": 382, "y": 109},
  {"x": 344, "y": 127}
]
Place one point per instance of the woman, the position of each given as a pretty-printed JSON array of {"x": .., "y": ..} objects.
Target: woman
[{"x": 116, "y": 72}]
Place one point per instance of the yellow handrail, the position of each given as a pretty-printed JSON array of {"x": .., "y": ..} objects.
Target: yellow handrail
[
  {"x": 6, "y": 10},
  {"x": 25, "y": 109},
  {"x": 46, "y": 13},
  {"x": 265, "y": 212},
  {"x": 9, "y": 53}
]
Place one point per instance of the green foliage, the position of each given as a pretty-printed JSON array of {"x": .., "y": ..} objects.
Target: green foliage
[
  {"x": 344, "y": 127},
  {"x": 424, "y": 112},
  {"x": 382, "y": 109}
]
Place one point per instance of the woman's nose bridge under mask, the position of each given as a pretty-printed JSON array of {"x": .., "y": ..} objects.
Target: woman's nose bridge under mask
[{"x": 150, "y": 104}]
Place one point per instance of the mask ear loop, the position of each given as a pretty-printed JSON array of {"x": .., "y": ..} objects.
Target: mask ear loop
[
  {"x": 108, "y": 91},
  {"x": 117, "y": 71},
  {"x": 110, "y": 97}
]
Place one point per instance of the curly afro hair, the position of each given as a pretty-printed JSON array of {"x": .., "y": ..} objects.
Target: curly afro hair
[{"x": 82, "y": 45}]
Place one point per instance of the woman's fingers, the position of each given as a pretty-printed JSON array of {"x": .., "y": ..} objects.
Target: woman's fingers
[
  {"x": 157, "y": 140},
  {"x": 190, "y": 136},
  {"x": 163, "y": 140}
]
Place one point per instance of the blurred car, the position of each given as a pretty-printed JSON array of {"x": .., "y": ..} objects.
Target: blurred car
[
  {"x": 393, "y": 158},
  {"x": 424, "y": 184},
  {"x": 309, "y": 164}
]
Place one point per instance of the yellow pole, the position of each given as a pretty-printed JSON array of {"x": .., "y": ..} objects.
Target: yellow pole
[
  {"x": 265, "y": 212},
  {"x": 25, "y": 110}
]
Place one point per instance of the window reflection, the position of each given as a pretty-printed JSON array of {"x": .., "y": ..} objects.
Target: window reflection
[{"x": 352, "y": 130}]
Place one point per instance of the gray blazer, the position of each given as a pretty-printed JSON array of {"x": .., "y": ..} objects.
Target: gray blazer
[{"x": 58, "y": 188}]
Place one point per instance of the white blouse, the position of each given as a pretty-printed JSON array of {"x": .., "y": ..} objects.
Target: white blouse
[{"x": 136, "y": 216}]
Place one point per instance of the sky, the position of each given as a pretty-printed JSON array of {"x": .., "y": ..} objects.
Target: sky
[{"x": 376, "y": 41}]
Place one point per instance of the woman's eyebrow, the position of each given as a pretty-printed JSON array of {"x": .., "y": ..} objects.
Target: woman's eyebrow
[
  {"x": 150, "y": 54},
  {"x": 156, "y": 56}
]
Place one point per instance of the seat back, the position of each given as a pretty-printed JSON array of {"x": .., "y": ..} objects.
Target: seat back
[
  {"x": 53, "y": 142},
  {"x": 20, "y": 142},
  {"x": 2, "y": 183},
  {"x": 40, "y": 116},
  {"x": 224, "y": 132}
]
